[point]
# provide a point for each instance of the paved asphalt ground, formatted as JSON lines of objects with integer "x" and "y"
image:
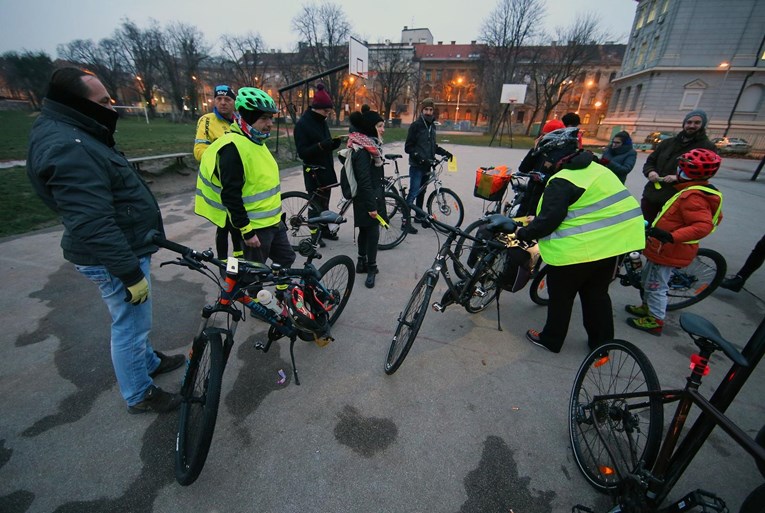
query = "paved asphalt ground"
{"x": 474, "y": 421}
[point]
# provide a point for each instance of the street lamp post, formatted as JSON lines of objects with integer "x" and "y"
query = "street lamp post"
{"x": 458, "y": 83}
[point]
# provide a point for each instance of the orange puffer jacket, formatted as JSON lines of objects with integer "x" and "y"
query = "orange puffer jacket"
{"x": 688, "y": 218}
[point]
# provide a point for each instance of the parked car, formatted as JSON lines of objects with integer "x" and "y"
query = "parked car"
{"x": 732, "y": 145}
{"x": 654, "y": 138}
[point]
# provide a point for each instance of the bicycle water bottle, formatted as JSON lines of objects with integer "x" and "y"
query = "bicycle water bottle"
{"x": 635, "y": 261}
{"x": 266, "y": 299}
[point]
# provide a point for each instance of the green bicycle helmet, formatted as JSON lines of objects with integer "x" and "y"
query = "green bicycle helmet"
{"x": 252, "y": 98}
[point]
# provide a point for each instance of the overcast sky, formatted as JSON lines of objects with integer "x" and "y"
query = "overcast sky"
{"x": 43, "y": 24}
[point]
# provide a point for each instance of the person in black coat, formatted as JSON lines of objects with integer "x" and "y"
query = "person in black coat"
{"x": 369, "y": 202}
{"x": 315, "y": 145}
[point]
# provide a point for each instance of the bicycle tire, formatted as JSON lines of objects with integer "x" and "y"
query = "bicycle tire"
{"x": 398, "y": 217}
{"x": 755, "y": 501}
{"x": 296, "y": 206}
{"x": 450, "y": 208}
{"x": 614, "y": 368}
{"x": 199, "y": 409}
{"x": 338, "y": 276}
{"x": 463, "y": 247}
{"x": 409, "y": 322}
{"x": 538, "y": 289}
{"x": 697, "y": 280}
{"x": 485, "y": 282}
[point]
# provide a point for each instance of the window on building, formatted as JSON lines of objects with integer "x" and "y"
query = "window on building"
{"x": 601, "y": 118}
{"x": 439, "y": 74}
{"x": 615, "y": 104}
{"x": 641, "y": 54}
{"x": 665, "y": 7}
{"x": 636, "y": 97}
{"x": 751, "y": 98}
{"x": 640, "y": 18}
{"x": 651, "y": 12}
{"x": 691, "y": 99}
{"x": 428, "y": 76}
{"x": 586, "y": 120}
{"x": 596, "y": 80}
{"x": 626, "y": 98}
{"x": 612, "y": 76}
{"x": 654, "y": 49}
{"x": 519, "y": 116}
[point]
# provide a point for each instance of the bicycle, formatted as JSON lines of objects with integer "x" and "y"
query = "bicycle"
{"x": 616, "y": 418}
{"x": 475, "y": 292}
{"x": 687, "y": 286}
{"x": 298, "y": 206}
{"x": 442, "y": 203}
{"x": 310, "y": 300}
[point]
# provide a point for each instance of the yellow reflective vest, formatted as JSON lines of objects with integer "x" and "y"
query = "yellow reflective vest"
{"x": 605, "y": 221}
{"x": 261, "y": 193}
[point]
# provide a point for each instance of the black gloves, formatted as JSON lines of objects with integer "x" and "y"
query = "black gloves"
{"x": 448, "y": 155}
{"x": 330, "y": 144}
{"x": 662, "y": 236}
{"x": 336, "y": 141}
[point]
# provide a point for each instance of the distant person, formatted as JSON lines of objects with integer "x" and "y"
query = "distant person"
{"x": 620, "y": 156}
{"x": 239, "y": 181}
{"x": 692, "y": 213}
{"x": 422, "y": 148}
{"x": 210, "y": 127}
{"x": 541, "y": 160}
{"x": 572, "y": 120}
{"x": 369, "y": 202}
{"x": 754, "y": 262}
{"x": 315, "y": 145}
{"x": 661, "y": 166}
{"x": 107, "y": 211}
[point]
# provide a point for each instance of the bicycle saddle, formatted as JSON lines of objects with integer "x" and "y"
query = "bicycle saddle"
{"x": 392, "y": 156}
{"x": 326, "y": 217}
{"x": 705, "y": 330}
{"x": 500, "y": 223}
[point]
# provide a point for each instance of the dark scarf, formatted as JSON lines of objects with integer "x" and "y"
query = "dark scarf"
{"x": 101, "y": 115}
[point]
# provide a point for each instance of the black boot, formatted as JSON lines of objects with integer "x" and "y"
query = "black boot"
{"x": 361, "y": 265}
{"x": 371, "y": 272}
{"x": 734, "y": 283}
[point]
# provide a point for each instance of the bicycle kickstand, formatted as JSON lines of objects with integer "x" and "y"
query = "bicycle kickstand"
{"x": 292, "y": 357}
{"x": 499, "y": 293}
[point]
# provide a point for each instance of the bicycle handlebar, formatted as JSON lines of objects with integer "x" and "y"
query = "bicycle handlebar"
{"x": 455, "y": 230}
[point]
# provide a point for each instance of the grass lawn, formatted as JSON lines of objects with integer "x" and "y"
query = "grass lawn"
{"x": 21, "y": 210}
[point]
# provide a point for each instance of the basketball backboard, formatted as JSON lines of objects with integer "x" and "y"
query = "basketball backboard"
{"x": 358, "y": 58}
{"x": 513, "y": 93}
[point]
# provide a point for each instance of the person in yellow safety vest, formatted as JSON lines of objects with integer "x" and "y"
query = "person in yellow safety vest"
{"x": 586, "y": 220}
{"x": 239, "y": 182}
{"x": 673, "y": 239}
{"x": 210, "y": 127}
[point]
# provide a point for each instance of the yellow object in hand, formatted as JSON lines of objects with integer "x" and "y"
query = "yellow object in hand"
{"x": 382, "y": 222}
{"x": 137, "y": 293}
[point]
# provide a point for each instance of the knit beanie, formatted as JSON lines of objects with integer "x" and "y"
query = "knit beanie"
{"x": 553, "y": 124}
{"x": 224, "y": 90}
{"x": 365, "y": 123}
{"x": 321, "y": 98}
{"x": 699, "y": 113}
{"x": 427, "y": 102}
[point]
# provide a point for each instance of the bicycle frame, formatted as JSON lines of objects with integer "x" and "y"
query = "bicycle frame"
{"x": 396, "y": 182}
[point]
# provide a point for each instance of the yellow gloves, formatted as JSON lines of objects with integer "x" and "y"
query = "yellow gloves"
{"x": 138, "y": 293}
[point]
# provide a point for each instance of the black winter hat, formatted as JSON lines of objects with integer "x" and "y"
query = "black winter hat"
{"x": 365, "y": 123}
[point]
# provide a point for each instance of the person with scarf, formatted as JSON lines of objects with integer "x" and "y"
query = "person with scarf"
{"x": 620, "y": 156}
{"x": 421, "y": 147}
{"x": 369, "y": 203}
{"x": 239, "y": 181}
{"x": 661, "y": 166}
{"x": 108, "y": 212}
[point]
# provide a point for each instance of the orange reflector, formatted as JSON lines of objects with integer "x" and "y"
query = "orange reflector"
{"x": 701, "y": 288}
{"x": 600, "y": 362}
{"x": 606, "y": 471}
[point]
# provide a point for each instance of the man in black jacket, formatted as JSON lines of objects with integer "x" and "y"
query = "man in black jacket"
{"x": 107, "y": 211}
{"x": 315, "y": 145}
{"x": 421, "y": 147}
{"x": 661, "y": 166}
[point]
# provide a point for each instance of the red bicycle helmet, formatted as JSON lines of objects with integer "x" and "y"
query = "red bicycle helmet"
{"x": 699, "y": 164}
{"x": 307, "y": 315}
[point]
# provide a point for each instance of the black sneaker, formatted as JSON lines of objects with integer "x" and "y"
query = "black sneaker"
{"x": 329, "y": 236}
{"x": 535, "y": 338}
{"x": 156, "y": 400}
{"x": 167, "y": 363}
{"x": 409, "y": 228}
{"x": 425, "y": 223}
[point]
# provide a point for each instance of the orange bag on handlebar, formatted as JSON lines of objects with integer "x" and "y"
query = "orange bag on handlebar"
{"x": 491, "y": 182}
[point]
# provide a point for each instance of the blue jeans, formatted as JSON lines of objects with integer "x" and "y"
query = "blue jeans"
{"x": 133, "y": 357}
{"x": 655, "y": 280}
{"x": 417, "y": 177}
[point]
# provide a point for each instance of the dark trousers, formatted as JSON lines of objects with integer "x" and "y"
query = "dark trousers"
{"x": 274, "y": 244}
{"x": 221, "y": 240}
{"x": 590, "y": 280}
{"x": 367, "y": 240}
{"x": 755, "y": 260}
{"x": 321, "y": 197}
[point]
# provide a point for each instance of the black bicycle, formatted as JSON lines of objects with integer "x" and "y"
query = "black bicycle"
{"x": 616, "y": 417}
{"x": 298, "y": 206}
{"x": 309, "y": 301}
{"x": 481, "y": 285}
{"x": 687, "y": 285}
{"x": 443, "y": 203}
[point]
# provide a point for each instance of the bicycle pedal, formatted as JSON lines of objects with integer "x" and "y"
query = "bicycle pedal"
{"x": 438, "y": 307}
{"x": 479, "y": 292}
{"x": 259, "y": 346}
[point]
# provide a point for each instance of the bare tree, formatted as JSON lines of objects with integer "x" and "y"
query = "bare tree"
{"x": 140, "y": 49}
{"x": 183, "y": 50}
{"x": 393, "y": 70}
{"x": 27, "y": 73}
{"x": 104, "y": 59}
{"x": 511, "y": 25}
{"x": 241, "y": 58}
{"x": 325, "y": 30}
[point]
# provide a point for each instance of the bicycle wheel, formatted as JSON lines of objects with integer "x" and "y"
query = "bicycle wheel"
{"x": 485, "y": 282}
{"x": 409, "y": 322}
{"x": 446, "y": 206}
{"x": 691, "y": 284}
{"x": 630, "y": 427}
{"x": 338, "y": 276}
{"x": 463, "y": 249}
{"x": 199, "y": 409}
{"x": 755, "y": 501}
{"x": 538, "y": 288}
{"x": 296, "y": 206}
{"x": 398, "y": 217}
